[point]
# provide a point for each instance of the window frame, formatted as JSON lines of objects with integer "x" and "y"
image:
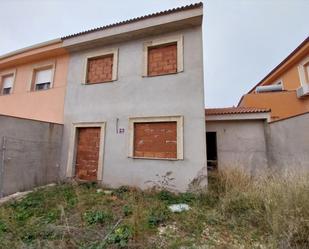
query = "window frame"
{"x": 179, "y": 127}
{"x": 102, "y": 53}
{"x": 5, "y": 74}
{"x": 38, "y": 67}
{"x": 303, "y": 72}
{"x": 178, "y": 39}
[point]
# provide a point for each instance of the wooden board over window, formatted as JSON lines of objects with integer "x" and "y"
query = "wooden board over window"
{"x": 155, "y": 140}
{"x": 100, "y": 69}
{"x": 162, "y": 59}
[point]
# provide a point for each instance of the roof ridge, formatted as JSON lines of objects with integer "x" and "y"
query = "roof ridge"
{"x": 135, "y": 19}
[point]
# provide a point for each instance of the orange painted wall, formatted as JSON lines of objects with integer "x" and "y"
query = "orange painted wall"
{"x": 290, "y": 79}
{"x": 45, "y": 105}
{"x": 283, "y": 104}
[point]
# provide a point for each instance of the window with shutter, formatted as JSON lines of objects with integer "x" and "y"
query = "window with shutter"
{"x": 42, "y": 79}
{"x": 7, "y": 84}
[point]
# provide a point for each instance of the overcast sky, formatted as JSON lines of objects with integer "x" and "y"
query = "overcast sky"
{"x": 243, "y": 39}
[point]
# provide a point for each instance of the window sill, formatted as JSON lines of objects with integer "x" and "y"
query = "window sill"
{"x": 158, "y": 75}
{"x": 89, "y": 84}
{"x": 41, "y": 90}
{"x": 156, "y": 158}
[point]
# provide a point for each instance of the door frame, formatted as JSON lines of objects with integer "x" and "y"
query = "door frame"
{"x": 73, "y": 144}
{"x": 216, "y": 148}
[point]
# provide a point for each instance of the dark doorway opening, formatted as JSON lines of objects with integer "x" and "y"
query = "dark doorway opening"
{"x": 212, "y": 155}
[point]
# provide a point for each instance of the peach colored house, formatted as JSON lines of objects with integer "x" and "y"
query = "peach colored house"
{"x": 33, "y": 82}
{"x": 285, "y": 90}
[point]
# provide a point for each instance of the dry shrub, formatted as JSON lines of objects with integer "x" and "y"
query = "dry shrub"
{"x": 278, "y": 204}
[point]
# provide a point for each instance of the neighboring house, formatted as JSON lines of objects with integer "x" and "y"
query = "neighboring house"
{"x": 32, "y": 92}
{"x": 134, "y": 108}
{"x": 33, "y": 82}
{"x": 269, "y": 128}
{"x": 285, "y": 90}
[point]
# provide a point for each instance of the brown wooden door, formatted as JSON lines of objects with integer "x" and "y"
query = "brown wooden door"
{"x": 87, "y": 153}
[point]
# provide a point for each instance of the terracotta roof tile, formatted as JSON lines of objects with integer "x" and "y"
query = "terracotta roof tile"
{"x": 161, "y": 13}
{"x": 234, "y": 110}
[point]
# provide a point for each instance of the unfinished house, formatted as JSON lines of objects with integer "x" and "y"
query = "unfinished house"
{"x": 134, "y": 108}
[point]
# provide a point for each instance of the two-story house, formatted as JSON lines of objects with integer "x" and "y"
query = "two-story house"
{"x": 33, "y": 82}
{"x": 134, "y": 107}
{"x": 285, "y": 90}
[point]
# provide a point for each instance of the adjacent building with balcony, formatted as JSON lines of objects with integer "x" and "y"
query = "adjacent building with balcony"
{"x": 285, "y": 90}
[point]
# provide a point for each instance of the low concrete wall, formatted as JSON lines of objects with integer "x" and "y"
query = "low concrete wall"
{"x": 30, "y": 153}
{"x": 256, "y": 145}
{"x": 289, "y": 143}
{"x": 240, "y": 144}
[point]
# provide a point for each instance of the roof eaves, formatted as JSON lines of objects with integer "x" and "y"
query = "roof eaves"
{"x": 165, "y": 12}
{"x": 281, "y": 63}
{"x": 29, "y": 48}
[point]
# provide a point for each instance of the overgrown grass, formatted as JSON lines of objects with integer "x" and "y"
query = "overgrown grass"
{"x": 236, "y": 211}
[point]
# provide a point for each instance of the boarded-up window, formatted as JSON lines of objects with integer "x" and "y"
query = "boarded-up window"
{"x": 155, "y": 140}
{"x": 100, "y": 69}
{"x": 162, "y": 59}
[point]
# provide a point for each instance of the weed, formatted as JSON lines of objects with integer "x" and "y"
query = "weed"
{"x": 89, "y": 185}
{"x": 127, "y": 210}
{"x": 172, "y": 198}
{"x": 157, "y": 216}
{"x": 97, "y": 217}
{"x": 51, "y": 216}
{"x": 122, "y": 189}
{"x": 121, "y": 236}
{"x": 70, "y": 196}
{"x": 236, "y": 211}
{"x": 3, "y": 227}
